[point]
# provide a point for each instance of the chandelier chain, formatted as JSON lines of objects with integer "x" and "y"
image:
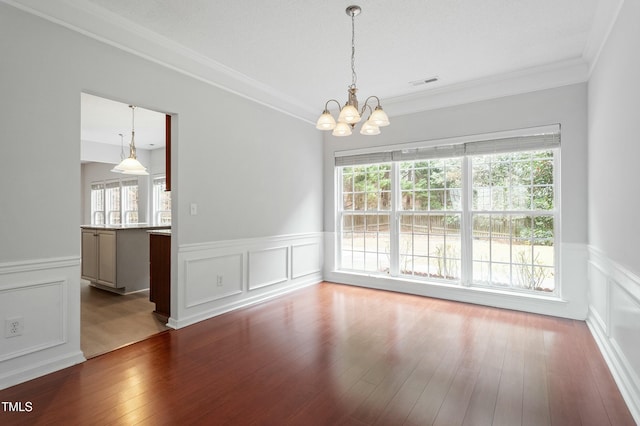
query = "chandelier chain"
{"x": 354, "y": 76}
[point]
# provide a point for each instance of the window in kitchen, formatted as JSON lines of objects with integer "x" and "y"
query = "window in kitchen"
{"x": 114, "y": 202}
{"x": 97, "y": 204}
{"x": 480, "y": 213}
{"x": 161, "y": 202}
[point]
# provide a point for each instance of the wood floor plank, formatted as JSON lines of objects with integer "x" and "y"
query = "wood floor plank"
{"x": 333, "y": 354}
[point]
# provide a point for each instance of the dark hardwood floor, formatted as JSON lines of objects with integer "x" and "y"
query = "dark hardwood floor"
{"x": 340, "y": 355}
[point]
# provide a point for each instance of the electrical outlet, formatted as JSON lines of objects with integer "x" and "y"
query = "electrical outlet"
{"x": 219, "y": 280}
{"x": 13, "y": 327}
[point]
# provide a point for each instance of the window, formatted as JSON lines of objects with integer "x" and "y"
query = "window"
{"x": 114, "y": 202}
{"x": 161, "y": 202}
{"x": 129, "y": 201}
{"x": 513, "y": 218}
{"x": 481, "y": 213}
{"x": 366, "y": 207}
{"x": 97, "y": 204}
{"x": 430, "y": 215}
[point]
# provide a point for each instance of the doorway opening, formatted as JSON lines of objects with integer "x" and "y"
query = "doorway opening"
{"x": 119, "y": 214}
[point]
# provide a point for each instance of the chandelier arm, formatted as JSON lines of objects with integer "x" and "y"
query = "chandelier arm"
{"x": 366, "y": 106}
{"x": 372, "y": 96}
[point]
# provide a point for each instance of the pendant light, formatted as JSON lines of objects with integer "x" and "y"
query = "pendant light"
{"x": 349, "y": 115}
{"x": 131, "y": 165}
{"x": 121, "y": 153}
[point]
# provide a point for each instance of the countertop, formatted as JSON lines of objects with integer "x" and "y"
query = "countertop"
{"x": 142, "y": 226}
{"x": 166, "y": 232}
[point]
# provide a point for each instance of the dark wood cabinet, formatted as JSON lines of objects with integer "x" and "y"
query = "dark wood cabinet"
{"x": 160, "y": 271}
{"x": 167, "y": 155}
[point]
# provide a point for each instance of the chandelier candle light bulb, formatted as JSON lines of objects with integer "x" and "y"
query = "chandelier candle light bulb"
{"x": 349, "y": 115}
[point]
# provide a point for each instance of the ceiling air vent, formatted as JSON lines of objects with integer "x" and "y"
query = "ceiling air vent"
{"x": 423, "y": 81}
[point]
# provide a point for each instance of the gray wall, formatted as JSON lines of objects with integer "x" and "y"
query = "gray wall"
{"x": 254, "y": 172}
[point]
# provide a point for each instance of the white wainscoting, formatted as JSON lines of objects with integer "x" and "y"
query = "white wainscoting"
{"x": 45, "y": 295}
{"x": 217, "y": 277}
{"x": 570, "y": 303}
{"x": 614, "y": 321}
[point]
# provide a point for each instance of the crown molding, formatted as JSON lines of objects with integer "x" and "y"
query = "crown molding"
{"x": 513, "y": 83}
{"x": 604, "y": 19}
{"x": 107, "y": 27}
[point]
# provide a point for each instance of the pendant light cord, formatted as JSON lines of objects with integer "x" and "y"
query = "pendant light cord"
{"x": 132, "y": 146}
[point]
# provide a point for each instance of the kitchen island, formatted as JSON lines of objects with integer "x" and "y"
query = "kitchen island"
{"x": 116, "y": 258}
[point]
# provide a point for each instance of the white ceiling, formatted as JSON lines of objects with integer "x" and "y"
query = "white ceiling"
{"x": 103, "y": 120}
{"x": 294, "y": 55}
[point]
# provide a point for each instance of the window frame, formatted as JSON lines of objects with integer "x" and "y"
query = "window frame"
{"x": 112, "y": 184}
{"x": 155, "y": 201}
{"x": 467, "y": 213}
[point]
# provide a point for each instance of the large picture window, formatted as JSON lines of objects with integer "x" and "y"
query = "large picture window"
{"x": 473, "y": 214}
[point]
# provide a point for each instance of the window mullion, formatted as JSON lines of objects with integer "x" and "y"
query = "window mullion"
{"x": 466, "y": 226}
{"x": 339, "y": 218}
{"x": 394, "y": 225}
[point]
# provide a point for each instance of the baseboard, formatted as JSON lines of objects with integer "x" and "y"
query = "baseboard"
{"x": 34, "y": 371}
{"x": 614, "y": 322}
{"x": 220, "y": 276}
{"x": 619, "y": 370}
{"x": 219, "y": 310}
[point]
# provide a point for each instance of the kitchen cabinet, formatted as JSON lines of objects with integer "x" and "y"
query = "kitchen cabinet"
{"x": 99, "y": 256}
{"x": 160, "y": 271}
{"x": 116, "y": 258}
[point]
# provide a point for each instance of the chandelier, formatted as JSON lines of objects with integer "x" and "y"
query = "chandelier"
{"x": 349, "y": 115}
{"x": 131, "y": 165}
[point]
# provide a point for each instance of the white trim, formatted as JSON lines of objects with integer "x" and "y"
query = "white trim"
{"x": 62, "y": 285}
{"x": 38, "y": 264}
{"x": 268, "y": 282}
{"x": 41, "y": 368}
{"x": 253, "y": 253}
{"x": 219, "y": 310}
{"x": 107, "y": 27}
{"x": 543, "y": 77}
{"x": 540, "y": 304}
{"x": 529, "y": 131}
{"x": 308, "y": 272}
{"x": 615, "y": 275}
{"x": 601, "y": 27}
{"x": 244, "y": 242}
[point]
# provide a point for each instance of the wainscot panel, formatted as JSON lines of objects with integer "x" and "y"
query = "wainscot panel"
{"x": 614, "y": 321}
{"x": 306, "y": 259}
{"x": 268, "y": 267}
{"x": 212, "y": 278}
{"x": 220, "y": 276}
{"x": 43, "y": 296}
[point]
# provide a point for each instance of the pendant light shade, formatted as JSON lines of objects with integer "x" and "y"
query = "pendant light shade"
{"x": 349, "y": 114}
{"x": 131, "y": 165}
{"x": 369, "y": 128}
{"x": 342, "y": 129}
{"x": 379, "y": 117}
{"x": 326, "y": 121}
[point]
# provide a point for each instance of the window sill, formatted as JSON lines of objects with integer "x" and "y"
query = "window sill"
{"x": 541, "y": 304}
